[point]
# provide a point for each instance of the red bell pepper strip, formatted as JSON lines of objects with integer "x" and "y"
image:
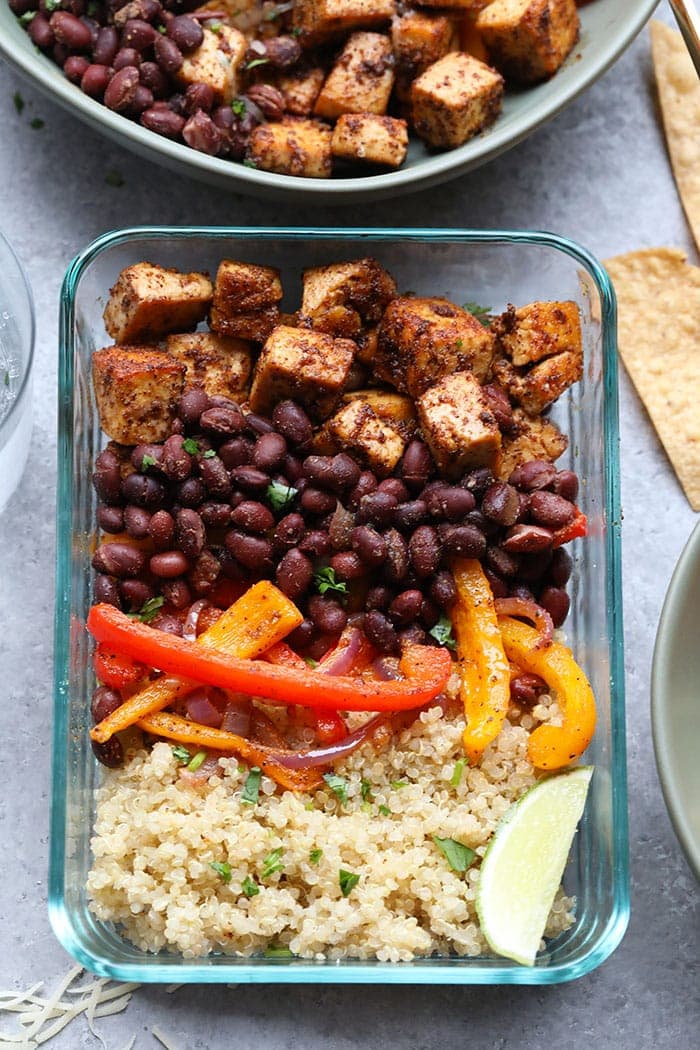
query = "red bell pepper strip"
{"x": 426, "y": 669}
{"x": 115, "y": 669}
{"x": 330, "y": 727}
{"x": 578, "y": 526}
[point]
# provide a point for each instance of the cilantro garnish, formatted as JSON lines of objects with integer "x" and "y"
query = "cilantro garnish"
{"x": 279, "y": 495}
{"x": 347, "y": 880}
{"x": 398, "y": 784}
{"x": 250, "y": 887}
{"x": 459, "y": 344}
{"x": 442, "y": 633}
{"x": 209, "y": 454}
{"x": 313, "y": 664}
{"x": 51, "y": 5}
{"x": 338, "y": 785}
{"x": 366, "y": 789}
{"x": 385, "y": 811}
{"x": 194, "y": 763}
{"x": 315, "y": 855}
{"x": 190, "y": 446}
{"x": 222, "y": 869}
{"x": 482, "y": 313}
{"x": 325, "y": 581}
{"x": 456, "y": 777}
{"x": 251, "y": 788}
{"x": 273, "y": 952}
{"x": 239, "y": 107}
{"x": 249, "y": 163}
{"x": 181, "y": 753}
{"x": 458, "y": 856}
{"x": 215, "y": 27}
{"x": 256, "y": 62}
{"x": 25, "y": 20}
{"x": 148, "y": 461}
{"x": 272, "y": 863}
{"x": 149, "y": 610}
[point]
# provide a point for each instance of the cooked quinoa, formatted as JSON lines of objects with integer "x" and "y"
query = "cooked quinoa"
{"x": 157, "y": 836}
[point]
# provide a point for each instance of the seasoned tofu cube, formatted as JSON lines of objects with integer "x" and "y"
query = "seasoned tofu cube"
{"x": 371, "y": 139}
{"x": 421, "y": 340}
{"x": 219, "y": 364}
{"x": 292, "y": 146}
{"x": 470, "y": 39}
{"x": 215, "y": 62}
{"x": 458, "y": 425}
{"x": 245, "y": 300}
{"x": 357, "y": 428}
{"x": 148, "y": 301}
{"x": 529, "y": 439}
{"x": 310, "y": 367}
{"x": 361, "y": 80}
{"x": 136, "y": 389}
{"x": 418, "y": 39}
{"x": 395, "y": 409}
{"x": 318, "y": 21}
{"x": 528, "y": 40}
{"x": 300, "y": 87}
{"x": 342, "y": 297}
{"x": 539, "y": 330}
{"x": 538, "y": 386}
{"x": 454, "y": 99}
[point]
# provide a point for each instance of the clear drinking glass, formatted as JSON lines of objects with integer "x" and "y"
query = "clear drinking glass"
{"x": 489, "y": 267}
{"x": 16, "y": 357}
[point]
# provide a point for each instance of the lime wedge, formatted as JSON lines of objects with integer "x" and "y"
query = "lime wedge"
{"x": 524, "y": 864}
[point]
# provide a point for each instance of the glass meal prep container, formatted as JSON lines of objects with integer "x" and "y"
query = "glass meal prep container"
{"x": 489, "y": 267}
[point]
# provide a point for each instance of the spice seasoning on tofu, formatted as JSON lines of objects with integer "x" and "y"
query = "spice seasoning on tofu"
{"x": 324, "y": 528}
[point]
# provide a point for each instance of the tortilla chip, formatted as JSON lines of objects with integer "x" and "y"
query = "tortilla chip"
{"x": 658, "y": 296}
{"x": 679, "y": 94}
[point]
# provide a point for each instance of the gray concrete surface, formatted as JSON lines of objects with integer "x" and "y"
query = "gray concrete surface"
{"x": 598, "y": 173}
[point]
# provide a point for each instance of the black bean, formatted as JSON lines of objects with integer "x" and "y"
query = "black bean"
{"x": 365, "y": 484}
{"x": 519, "y": 590}
{"x": 106, "y": 46}
{"x": 478, "y": 481}
{"x": 532, "y": 567}
{"x": 168, "y": 54}
{"x": 215, "y": 477}
{"x": 215, "y": 515}
{"x": 369, "y": 544}
{"x": 153, "y": 77}
{"x": 443, "y": 589}
{"x": 106, "y": 590}
{"x": 138, "y": 34}
{"x": 257, "y": 425}
{"x": 293, "y": 468}
{"x": 121, "y": 90}
{"x": 294, "y": 574}
{"x": 425, "y": 550}
{"x": 254, "y": 552}
{"x": 315, "y": 501}
{"x": 397, "y": 561}
{"x": 327, "y": 614}
{"x": 168, "y": 564}
{"x": 501, "y": 504}
{"x": 318, "y": 469}
{"x": 204, "y": 573}
{"x": 413, "y": 635}
{"x": 377, "y": 508}
{"x": 566, "y": 484}
{"x": 161, "y": 529}
{"x": 526, "y": 688}
{"x": 190, "y": 534}
{"x": 556, "y": 601}
{"x": 176, "y": 593}
{"x": 269, "y": 452}
{"x": 379, "y": 597}
{"x": 483, "y": 524}
{"x": 253, "y": 517}
{"x": 395, "y": 487}
{"x": 429, "y": 613}
{"x": 126, "y": 56}
{"x": 222, "y": 419}
{"x": 560, "y": 567}
{"x": 236, "y": 453}
{"x": 292, "y": 422}
{"x": 501, "y": 561}
{"x": 176, "y": 462}
{"x": 107, "y": 477}
{"x": 163, "y": 121}
{"x": 289, "y": 531}
{"x": 69, "y": 30}
{"x": 198, "y": 96}
{"x": 547, "y": 508}
{"x": 347, "y": 565}
{"x": 110, "y": 753}
{"x": 406, "y": 607}
{"x": 527, "y": 539}
{"x": 316, "y": 542}
{"x": 456, "y": 503}
{"x": 104, "y": 701}
{"x": 499, "y": 587}
{"x": 119, "y": 559}
{"x": 40, "y": 32}
{"x": 250, "y": 480}
{"x": 168, "y": 623}
{"x": 533, "y": 475}
{"x": 191, "y": 405}
{"x": 186, "y": 32}
{"x": 409, "y": 515}
{"x": 153, "y": 454}
{"x": 74, "y": 68}
{"x": 137, "y": 521}
{"x": 110, "y": 518}
{"x": 135, "y": 593}
{"x": 500, "y": 406}
{"x": 416, "y": 464}
{"x": 201, "y": 133}
{"x": 381, "y": 632}
{"x": 344, "y": 472}
{"x": 143, "y": 491}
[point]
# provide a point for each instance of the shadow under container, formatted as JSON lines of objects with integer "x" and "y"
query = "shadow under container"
{"x": 493, "y": 268}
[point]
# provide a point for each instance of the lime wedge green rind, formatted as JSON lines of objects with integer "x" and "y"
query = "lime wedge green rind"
{"x": 523, "y": 866}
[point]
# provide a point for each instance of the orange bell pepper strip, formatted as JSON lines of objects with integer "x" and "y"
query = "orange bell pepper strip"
{"x": 483, "y": 667}
{"x": 174, "y": 727}
{"x": 553, "y": 747}
{"x": 259, "y": 619}
{"x": 425, "y": 669}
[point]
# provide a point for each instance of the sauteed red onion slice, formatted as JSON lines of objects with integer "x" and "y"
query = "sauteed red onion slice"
{"x": 189, "y": 630}
{"x": 201, "y": 706}
{"x": 209, "y": 766}
{"x": 323, "y": 756}
{"x": 342, "y": 659}
{"x": 528, "y": 610}
{"x": 342, "y": 524}
{"x": 386, "y": 668}
{"x": 237, "y": 717}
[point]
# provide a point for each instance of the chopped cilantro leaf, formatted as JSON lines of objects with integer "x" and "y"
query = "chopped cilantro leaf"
{"x": 114, "y": 178}
{"x": 385, "y": 811}
{"x": 482, "y": 313}
{"x": 280, "y": 495}
{"x": 249, "y": 163}
{"x": 442, "y": 633}
{"x": 398, "y": 784}
{"x": 51, "y": 5}
{"x": 194, "y": 763}
{"x": 250, "y": 887}
{"x": 325, "y": 581}
{"x": 311, "y": 662}
{"x": 162, "y": 29}
{"x": 458, "y": 856}
{"x": 366, "y": 789}
{"x": 149, "y": 610}
{"x": 37, "y": 123}
{"x": 215, "y": 27}
{"x": 257, "y": 62}
{"x": 209, "y": 454}
{"x": 272, "y": 863}
{"x": 338, "y": 785}
{"x": 296, "y": 31}
{"x": 347, "y": 880}
{"x": 190, "y": 446}
{"x": 272, "y": 952}
{"x": 459, "y": 344}
{"x": 456, "y": 777}
{"x": 181, "y": 753}
{"x": 17, "y": 98}
{"x": 147, "y": 461}
{"x": 25, "y": 20}
{"x": 251, "y": 788}
{"x": 315, "y": 855}
{"x": 222, "y": 869}
{"x": 239, "y": 107}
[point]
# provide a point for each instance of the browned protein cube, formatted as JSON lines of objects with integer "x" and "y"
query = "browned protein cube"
{"x": 421, "y": 340}
{"x": 136, "y": 389}
{"x": 529, "y": 333}
{"x": 458, "y": 425}
{"x": 528, "y": 40}
{"x": 342, "y": 297}
{"x": 149, "y": 301}
{"x": 300, "y": 87}
{"x": 454, "y": 99}
{"x": 377, "y": 443}
{"x": 319, "y": 21}
{"x": 530, "y": 438}
{"x": 219, "y": 364}
{"x": 370, "y": 139}
{"x": 396, "y": 409}
{"x": 537, "y": 387}
{"x": 418, "y": 39}
{"x": 216, "y": 62}
{"x": 361, "y": 80}
{"x": 245, "y": 300}
{"x": 292, "y": 146}
{"x": 306, "y": 366}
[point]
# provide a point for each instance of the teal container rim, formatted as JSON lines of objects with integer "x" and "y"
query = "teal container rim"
{"x": 444, "y": 971}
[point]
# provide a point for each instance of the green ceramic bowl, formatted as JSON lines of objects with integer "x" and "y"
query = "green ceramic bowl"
{"x": 675, "y": 700}
{"x": 608, "y": 26}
